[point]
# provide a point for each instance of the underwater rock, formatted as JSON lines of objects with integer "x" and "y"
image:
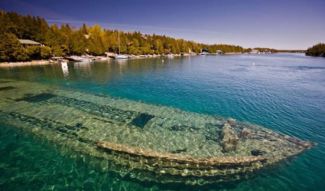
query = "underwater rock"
{"x": 229, "y": 138}
{"x": 6, "y": 88}
{"x": 231, "y": 121}
{"x": 245, "y": 133}
{"x": 78, "y": 125}
{"x": 257, "y": 152}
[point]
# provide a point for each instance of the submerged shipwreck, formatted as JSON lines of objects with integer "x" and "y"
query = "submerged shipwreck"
{"x": 142, "y": 141}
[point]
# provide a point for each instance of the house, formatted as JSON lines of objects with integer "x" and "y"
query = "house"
{"x": 27, "y": 42}
{"x": 255, "y": 51}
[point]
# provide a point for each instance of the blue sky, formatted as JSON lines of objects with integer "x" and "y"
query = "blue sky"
{"x": 282, "y": 24}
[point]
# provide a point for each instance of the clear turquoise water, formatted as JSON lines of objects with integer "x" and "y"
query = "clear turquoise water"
{"x": 285, "y": 92}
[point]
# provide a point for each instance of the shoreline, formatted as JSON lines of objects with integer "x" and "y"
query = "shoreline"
{"x": 130, "y": 57}
{"x": 27, "y": 63}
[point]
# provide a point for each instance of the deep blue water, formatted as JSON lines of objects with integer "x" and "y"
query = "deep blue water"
{"x": 284, "y": 92}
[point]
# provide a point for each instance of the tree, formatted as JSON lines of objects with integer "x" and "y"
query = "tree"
{"x": 65, "y": 40}
{"x": 57, "y": 41}
{"x": 316, "y": 50}
{"x": 96, "y": 40}
{"x": 33, "y": 52}
{"x": 11, "y": 49}
{"x": 78, "y": 43}
{"x": 45, "y": 52}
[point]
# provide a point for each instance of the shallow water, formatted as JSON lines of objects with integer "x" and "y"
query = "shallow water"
{"x": 284, "y": 92}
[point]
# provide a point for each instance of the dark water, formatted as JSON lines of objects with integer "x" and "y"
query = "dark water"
{"x": 285, "y": 92}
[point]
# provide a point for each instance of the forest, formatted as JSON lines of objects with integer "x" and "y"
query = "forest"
{"x": 316, "y": 50}
{"x": 66, "y": 40}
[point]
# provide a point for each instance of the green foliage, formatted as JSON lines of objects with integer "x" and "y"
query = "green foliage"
{"x": 23, "y": 26}
{"x": 11, "y": 49}
{"x": 38, "y": 52}
{"x": 45, "y": 52}
{"x": 316, "y": 50}
{"x": 64, "y": 40}
{"x": 33, "y": 52}
{"x": 96, "y": 40}
{"x": 266, "y": 50}
{"x": 77, "y": 43}
{"x": 57, "y": 40}
{"x": 224, "y": 48}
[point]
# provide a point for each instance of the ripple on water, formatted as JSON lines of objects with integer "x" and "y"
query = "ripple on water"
{"x": 282, "y": 92}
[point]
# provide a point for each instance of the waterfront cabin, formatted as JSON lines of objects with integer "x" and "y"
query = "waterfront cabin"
{"x": 27, "y": 43}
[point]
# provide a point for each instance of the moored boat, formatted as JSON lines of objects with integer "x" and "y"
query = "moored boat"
{"x": 121, "y": 56}
{"x": 79, "y": 58}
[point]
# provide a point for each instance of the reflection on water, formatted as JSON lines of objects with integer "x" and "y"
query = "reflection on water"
{"x": 104, "y": 72}
{"x": 65, "y": 69}
{"x": 99, "y": 72}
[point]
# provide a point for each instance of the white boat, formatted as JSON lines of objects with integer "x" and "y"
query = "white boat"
{"x": 170, "y": 56}
{"x": 121, "y": 56}
{"x": 79, "y": 58}
{"x": 204, "y": 53}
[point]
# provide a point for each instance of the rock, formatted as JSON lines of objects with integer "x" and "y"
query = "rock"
{"x": 231, "y": 121}
{"x": 78, "y": 125}
{"x": 245, "y": 133}
{"x": 257, "y": 152}
{"x": 229, "y": 138}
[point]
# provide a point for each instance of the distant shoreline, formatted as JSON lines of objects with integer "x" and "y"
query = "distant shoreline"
{"x": 130, "y": 57}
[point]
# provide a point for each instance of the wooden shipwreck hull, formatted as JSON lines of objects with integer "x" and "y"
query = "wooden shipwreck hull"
{"x": 142, "y": 141}
{"x": 178, "y": 159}
{"x": 183, "y": 165}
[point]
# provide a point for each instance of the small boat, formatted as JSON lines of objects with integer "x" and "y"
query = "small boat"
{"x": 121, "y": 56}
{"x": 170, "y": 56}
{"x": 79, "y": 58}
{"x": 204, "y": 53}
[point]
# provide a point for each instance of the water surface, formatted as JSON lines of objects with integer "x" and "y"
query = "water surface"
{"x": 284, "y": 92}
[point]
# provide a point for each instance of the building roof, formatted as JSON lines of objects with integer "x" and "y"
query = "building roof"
{"x": 29, "y": 42}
